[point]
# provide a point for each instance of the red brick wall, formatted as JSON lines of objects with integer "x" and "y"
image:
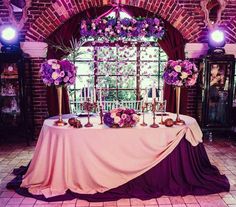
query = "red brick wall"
{"x": 45, "y": 16}
{"x": 38, "y": 96}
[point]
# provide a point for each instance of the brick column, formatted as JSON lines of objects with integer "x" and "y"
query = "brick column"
{"x": 37, "y": 53}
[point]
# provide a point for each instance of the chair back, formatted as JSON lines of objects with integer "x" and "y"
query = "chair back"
{"x": 108, "y": 105}
{"x": 136, "y": 105}
{"x": 76, "y": 107}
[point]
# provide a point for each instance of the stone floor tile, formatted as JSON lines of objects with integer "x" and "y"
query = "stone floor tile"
{"x": 28, "y": 201}
{"x": 229, "y": 200}
{"x": 136, "y": 201}
{"x": 110, "y": 203}
{"x": 96, "y": 204}
{"x": 176, "y": 200}
{"x": 123, "y": 202}
{"x": 15, "y": 201}
{"x": 68, "y": 205}
{"x": 189, "y": 199}
{"x": 192, "y": 205}
{"x": 163, "y": 200}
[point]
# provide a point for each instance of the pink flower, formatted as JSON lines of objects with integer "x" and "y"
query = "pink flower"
{"x": 62, "y": 73}
{"x": 56, "y": 82}
{"x": 66, "y": 79}
{"x": 55, "y": 75}
{"x": 123, "y": 116}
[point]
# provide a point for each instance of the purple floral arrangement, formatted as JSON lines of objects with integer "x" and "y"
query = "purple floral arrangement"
{"x": 180, "y": 73}
{"x": 56, "y": 72}
{"x": 121, "y": 118}
{"x": 114, "y": 28}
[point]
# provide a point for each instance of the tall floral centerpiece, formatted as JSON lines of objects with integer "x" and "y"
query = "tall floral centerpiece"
{"x": 180, "y": 73}
{"x": 58, "y": 73}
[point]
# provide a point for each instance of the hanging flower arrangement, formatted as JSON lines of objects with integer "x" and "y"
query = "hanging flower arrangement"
{"x": 117, "y": 29}
{"x": 180, "y": 73}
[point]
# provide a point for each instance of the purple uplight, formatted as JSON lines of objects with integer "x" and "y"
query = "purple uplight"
{"x": 217, "y": 39}
{"x": 218, "y": 36}
{"x": 8, "y": 34}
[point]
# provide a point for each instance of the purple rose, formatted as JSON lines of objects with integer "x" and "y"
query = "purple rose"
{"x": 108, "y": 120}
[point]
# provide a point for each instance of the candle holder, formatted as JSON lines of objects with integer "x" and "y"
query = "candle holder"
{"x": 101, "y": 114}
{"x": 144, "y": 106}
{"x": 153, "y": 108}
{"x": 89, "y": 106}
{"x": 162, "y": 110}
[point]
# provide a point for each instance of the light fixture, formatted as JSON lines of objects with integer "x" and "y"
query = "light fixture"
{"x": 216, "y": 40}
{"x": 9, "y": 39}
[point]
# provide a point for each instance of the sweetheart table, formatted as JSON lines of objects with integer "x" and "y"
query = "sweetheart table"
{"x": 102, "y": 163}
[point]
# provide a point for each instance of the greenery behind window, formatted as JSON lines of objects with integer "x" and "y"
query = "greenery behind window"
{"x": 121, "y": 72}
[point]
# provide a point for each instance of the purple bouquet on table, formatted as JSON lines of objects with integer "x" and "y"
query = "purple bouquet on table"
{"x": 121, "y": 118}
{"x": 180, "y": 73}
{"x": 58, "y": 73}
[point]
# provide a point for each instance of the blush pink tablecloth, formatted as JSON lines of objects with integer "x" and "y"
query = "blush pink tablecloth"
{"x": 90, "y": 160}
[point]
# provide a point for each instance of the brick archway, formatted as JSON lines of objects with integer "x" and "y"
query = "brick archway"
{"x": 229, "y": 27}
{"x": 61, "y": 10}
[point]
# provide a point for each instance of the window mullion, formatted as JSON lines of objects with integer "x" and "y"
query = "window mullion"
{"x": 138, "y": 88}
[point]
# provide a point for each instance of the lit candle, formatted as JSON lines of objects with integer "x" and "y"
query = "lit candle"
{"x": 91, "y": 95}
{"x": 146, "y": 96}
{"x": 94, "y": 94}
{"x": 88, "y": 89}
{"x": 100, "y": 96}
{"x": 84, "y": 93}
{"x": 81, "y": 94}
{"x": 153, "y": 92}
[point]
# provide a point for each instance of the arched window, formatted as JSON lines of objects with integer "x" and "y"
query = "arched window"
{"x": 122, "y": 71}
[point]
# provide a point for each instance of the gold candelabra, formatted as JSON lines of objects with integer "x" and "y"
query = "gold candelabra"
{"x": 101, "y": 114}
{"x": 153, "y": 108}
{"x": 89, "y": 106}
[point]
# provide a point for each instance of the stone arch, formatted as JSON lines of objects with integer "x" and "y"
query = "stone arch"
{"x": 61, "y": 10}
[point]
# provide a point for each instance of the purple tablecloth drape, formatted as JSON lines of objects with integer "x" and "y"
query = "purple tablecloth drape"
{"x": 186, "y": 171}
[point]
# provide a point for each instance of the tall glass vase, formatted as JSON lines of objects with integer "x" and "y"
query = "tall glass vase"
{"x": 59, "y": 122}
{"x": 178, "y": 121}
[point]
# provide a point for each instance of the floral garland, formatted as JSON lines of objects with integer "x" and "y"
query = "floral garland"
{"x": 58, "y": 73}
{"x": 113, "y": 28}
{"x": 121, "y": 118}
{"x": 180, "y": 73}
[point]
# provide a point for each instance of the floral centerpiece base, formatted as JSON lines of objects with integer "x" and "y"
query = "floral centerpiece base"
{"x": 121, "y": 118}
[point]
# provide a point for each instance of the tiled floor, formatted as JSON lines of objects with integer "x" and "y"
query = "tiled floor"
{"x": 222, "y": 153}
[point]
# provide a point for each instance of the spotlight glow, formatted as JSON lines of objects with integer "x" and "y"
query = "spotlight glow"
{"x": 8, "y": 34}
{"x": 217, "y": 36}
